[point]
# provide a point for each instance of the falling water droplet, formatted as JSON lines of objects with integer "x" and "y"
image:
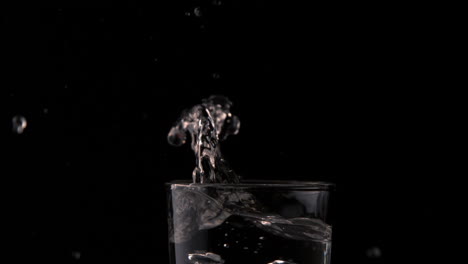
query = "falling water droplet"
{"x": 197, "y": 11}
{"x": 76, "y": 254}
{"x": 374, "y": 252}
{"x": 226, "y": 245}
{"x": 261, "y": 238}
{"x": 19, "y": 123}
{"x": 216, "y": 75}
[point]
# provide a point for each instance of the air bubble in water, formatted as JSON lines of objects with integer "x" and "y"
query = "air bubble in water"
{"x": 197, "y": 12}
{"x": 19, "y": 123}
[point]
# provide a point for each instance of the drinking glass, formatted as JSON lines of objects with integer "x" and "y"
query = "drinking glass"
{"x": 258, "y": 222}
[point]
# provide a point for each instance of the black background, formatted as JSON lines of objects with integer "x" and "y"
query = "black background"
{"x": 323, "y": 93}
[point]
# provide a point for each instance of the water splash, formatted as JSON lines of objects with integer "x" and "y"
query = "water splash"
{"x": 19, "y": 124}
{"x": 205, "y": 258}
{"x": 207, "y": 123}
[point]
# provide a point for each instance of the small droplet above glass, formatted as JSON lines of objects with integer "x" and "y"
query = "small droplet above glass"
{"x": 76, "y": 254}
{"x": 197, "y": 11}
{"x": 374, "y": 252}
{"x": 19, "y": 124}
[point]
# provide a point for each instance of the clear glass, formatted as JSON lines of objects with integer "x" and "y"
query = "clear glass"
{"x": 259, "y": 222}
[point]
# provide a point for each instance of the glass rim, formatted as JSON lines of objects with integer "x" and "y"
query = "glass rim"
{"x": 255, "y": 184}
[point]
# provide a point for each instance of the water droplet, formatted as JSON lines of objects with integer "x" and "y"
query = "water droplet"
{"x": 225, "y": 234}
{"x": 19, "y": 123}
{"x": 217, "y": 2}
{"x": 197, "y": 11}
{"x": 76, "y": 254}
{"x": 281, "y": 262}
{"x": 66, "y": 86}
{"x": 155, "y": 59}
{"x": 188, "y": 14}
{"x": 237, "y": 242}
{"x": 226, "y": 245}
{"x": 216, "y": 76}
{"x": 261, "y": 238}
{"x": 46, "y": 111}
{"x": 246, "y": 248}
{"x": 374, "y": 252}
{"x": 255, "y": 252}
